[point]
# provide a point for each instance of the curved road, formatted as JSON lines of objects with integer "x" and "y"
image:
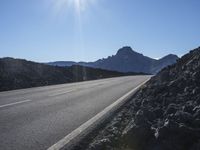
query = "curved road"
{"x": 37, "y": 118}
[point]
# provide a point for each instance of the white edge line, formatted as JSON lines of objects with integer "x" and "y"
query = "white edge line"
{"x": 66, "y": 140}
{"x": 62, "y": 93}
{"x": 1, "y": 106}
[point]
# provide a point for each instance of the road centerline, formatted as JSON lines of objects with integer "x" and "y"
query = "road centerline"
{"x": 15, "y": 103}
{"x": 61, "y": 93}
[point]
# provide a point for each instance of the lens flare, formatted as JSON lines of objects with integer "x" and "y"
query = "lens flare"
{"x": 78, "y": 5}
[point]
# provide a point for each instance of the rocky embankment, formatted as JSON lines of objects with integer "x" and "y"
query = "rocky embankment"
{"x": 163, "y": 115}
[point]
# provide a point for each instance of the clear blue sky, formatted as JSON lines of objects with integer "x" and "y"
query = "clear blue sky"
{"x": 85, "y": 30}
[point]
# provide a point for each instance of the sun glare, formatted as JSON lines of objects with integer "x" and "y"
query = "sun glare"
{"x": 78, "y": 5}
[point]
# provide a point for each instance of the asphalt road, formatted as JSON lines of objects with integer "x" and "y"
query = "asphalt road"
{"x": 37, "y": 118}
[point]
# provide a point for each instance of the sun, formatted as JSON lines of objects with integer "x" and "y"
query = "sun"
{"x": 78, "y": 5}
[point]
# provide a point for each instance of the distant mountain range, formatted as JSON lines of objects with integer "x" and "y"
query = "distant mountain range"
{"x": 126, "y": 60}
{"x": 19, "y": 73}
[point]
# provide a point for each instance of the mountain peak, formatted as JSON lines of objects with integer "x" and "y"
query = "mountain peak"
{"x": 170, "y": 56}
{"x": 126, "y": 50}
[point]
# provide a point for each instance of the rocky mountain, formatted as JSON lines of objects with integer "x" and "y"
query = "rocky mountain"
{"x": 18, "y": 73}
{"x": 163, "y": 115}
{"x": 127, "y": 60}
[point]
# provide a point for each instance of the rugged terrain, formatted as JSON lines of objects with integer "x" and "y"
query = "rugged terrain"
{"x": 18, "y": 73}
{"x": 163, "y": 115}
{"x": 126, "y": 60}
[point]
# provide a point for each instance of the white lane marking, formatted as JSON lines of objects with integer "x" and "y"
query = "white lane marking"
{"x": 1, "y": 106}
{"x": 61, "y": 93}
{"x": 76, "y": 89}
{"x": 75, "y": 133}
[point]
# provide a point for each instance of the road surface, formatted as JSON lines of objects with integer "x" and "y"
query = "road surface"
{"x": 37, "y": 118}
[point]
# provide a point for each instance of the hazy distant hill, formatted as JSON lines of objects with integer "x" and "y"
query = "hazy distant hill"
{"x": 127, "y": 60}
{"x": 18, "y": 73}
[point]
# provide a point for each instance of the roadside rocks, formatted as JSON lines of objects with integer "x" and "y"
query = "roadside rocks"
{"x": 171, "y": 109}
{"x": 175, "y": 136}
{"x": 138, "y": 137}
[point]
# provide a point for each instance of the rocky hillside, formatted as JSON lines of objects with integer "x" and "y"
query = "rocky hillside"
{"x": 127, "y": 60}
{"x": 163, "y": 115}
{"x": 18, "y": 73}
